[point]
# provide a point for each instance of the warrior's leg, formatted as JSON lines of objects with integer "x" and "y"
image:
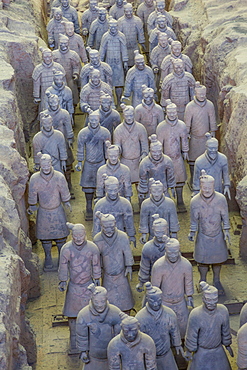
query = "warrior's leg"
{"x": 119, "y": 92}
{"x": 203, "y": 270}
{"x": 191, "y": 165}
{"x": 47, "y": 244}
{"x": 89, "y": 206}
{"x": 60, "y": 243}
{"x": 180, "y": 202}
{"x": 216, "y": 278}
{"x": 72, "y": 330}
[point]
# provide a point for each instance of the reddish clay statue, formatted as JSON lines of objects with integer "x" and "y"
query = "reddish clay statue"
{"x": 242, "y": 345}
{"x": 117, "y": 10}
{"x": 208, "y": 330}
{"x": 160, "y": 27}
{"x": 49, "y": 189}
{"x": 88, "y": 16}
{"x": 160, "y": 323}
{"x": 131, "y": 137}
{"x": 108, "y": 117}
{"x": 131, "y": 349}
{"x": 209, "y": 218}
{"x": 174, "y": 276}
{"x": 117, "y": 262}
{"x": 75, "y": 41}
{"x": 97, "y": 29}
{"x": 148, "y": 112}
{"x": 96, "y": 325}
{"x": 70, "y": 13}
{"x": 55, "y": 27}
{"x": 113, "y": 167}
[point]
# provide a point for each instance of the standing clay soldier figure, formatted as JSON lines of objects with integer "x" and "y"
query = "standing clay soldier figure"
{"x": 117, "y": 10}
{"x": 113, "y": 51}
{"x": 75, "y": 41}
{"x": 140, "y": 74}
{"x": 209, "y": 218}
{"x": 159, "y": 9}
{"x": 148, "y": 112}
{"x": 43, "y": 77}
{"x": 215, "y": 164}
{"x": 70, "y": 13}
{"x": 160, "y": 323}
{"x": 108, "y": 117}
{"x": 161, "y": 27}
{"x": 157, "y": 203}
{"x": 157, "y": 166}
{"x": 55, "y": 27}
{"x": 117, "y": 206}
{"x": 131, "y": 26}
{"x": 88, "y": 16}
{"x": 152, "y": 250}
{"x": 117, "y": 262}
{"x": 96, "y": 325}
{"x": 242, "y": 353}
{"x": 49, "y": 141}
{"x": 80, "y": 264}
{"x": 172, "y": 134}
{"x": 176, "y": 53}
{"x": 179, "y": 87}
{"x": 131, "y": 137}
{"x": 49, "y": 189}
{"x": 199, "y": 117}
{"x": 143, "y": 11}
{"x": 173, "y": 274}
{"x": 208, "y": 330}
{"x": 91, "y": 150}
{"x": 97, "y": 29}
{"x": 113, "y": 167}
{"x": 131, "y": 349}
{"x": 70, "y": 60}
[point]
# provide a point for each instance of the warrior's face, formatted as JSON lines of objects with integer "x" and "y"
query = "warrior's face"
{"x": 156, "y": 153}
{"x": 106, "y": 105}
{"x": 93, "y": 5}
{"x": 171, "y": 113}
{"x": 172, "y": 254}
{"x": 47, "y": 124}
{"x": 148, "y": 98}
{"x": 113, "y": 30}
{"x": 157, "y": 192}
{"x": 130, "y": 331}
{"x": 79, "y": 236}
{"x": 58, "y": 80}
{"x": 102, "y": 15}
{"x": 53, "y": 104}
{"x": 129, "y": 116}
{"x": 212, "y": 151}
{"x": 201, "y": 94}
{"x": 47, "y": 58}
{"x": 94, "y": 59}
{"x": 112, "y": 191}
{"x": 155, "y": 301}
{"x": 108, "y": 228}
{"x": 176, "y": 49}
{"x": 113, "y": 156}
{"x": 65, "y": 3}
{"x": 46, "y": 166}
{"x": 178, "y": 68}
{"x": 140, "y": 65}
{"x": 95, "y": 78}
{"x": 70, "y": 30}
{"x": 207, "y": 188}
{"x": 160, "y": 231}
{"x": 94, "y": 121}
{"x": 163, "y": 41}
{"x": 99, "y": 302}
{"x": 128, "y": 13}
{"x": 119, "y": 3}
{"x": 210, "y": 302}
{"x": 149, "y": 3}
{"x": 160, "y": 7}
{"x": 58, "y": 15}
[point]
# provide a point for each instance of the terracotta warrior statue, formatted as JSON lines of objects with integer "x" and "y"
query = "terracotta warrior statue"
{"x": 96, "y": 325}
{"x": 152, "y": 250}
{"x": 161, "y": 27}
{"x": 140, "y": 74}
{"x": 95, "y": 62}
{"x": 97, "y": 29}
{"x": 88, "y": 16}
{"x": 113, "y": 51}
{"x": 70, "y": 13}
{"x": 131, "y": 349}
{"x": 117, "y": 10}
{"x": 160, "y": 6}
{"x": 113, "y": 167}
{"x": 157, "y": 166}
{"x": 172, "y": 134}
{"x": 148, "y": 112}
{"x": 160, "y": 204}
{"x": 160, "y": 323}
{"x": 199, "y": 117}
{"x": 143, "y": 11}
{"x": 131, "y": 26}
{"x": 209, "y": 218}
{"x": 117, "y": 262}
{"x": 208, "y": 330}
{"x": 179, "y": 87}
{"x": 117, "y": 206}
{"x": 43, "y": 76}
{"x": 75, "y": 41}
{"x": 215, "y": 164}
{"x": 131, "y": 137}
{"x": 173, "y": 274}
{"x": 108, "y": 117}
{"x": 242, "y": 354}
{"x": 48, "y": 188}
{"x": 79, "y": 264}
{"x": 55, "y": 27}
{"x": 176, "y": 53}
{"x": 243, "y": 315}
{"x": 49, "y": 141}
{"x": 70, "y": 60}
{"x": 91, "y": 150}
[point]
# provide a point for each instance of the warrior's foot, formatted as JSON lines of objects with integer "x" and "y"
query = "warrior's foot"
{"x": 48, "y": 265}
{"x": 89, "y": 215}
{"x": 73, "y": 351}
{"x": 220, "y": 288}
{"x": 181, "y": 208}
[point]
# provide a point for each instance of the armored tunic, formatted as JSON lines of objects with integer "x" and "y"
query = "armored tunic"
{"x": 113, "y": 51}
{"x": 116, "y": 11}
{"x": 121, "y": 172}
{"x": 76, "y": 43}
{"x": 88, "y": 16}
{"x": 133, "y": 143}
{"x": 49, "y": 191}
{"x": 173, "y": 137}
{"x": 96, "y": 31}
{"x": 90, "y": 95}
{"x": 209, "y": 216}
{"x": 218, "y": 168}
{"x": 91, "y": 150}
{"x": 54, "y": 28}
{"x": 143, "y": 12}
{"x": 105, "y": 73}
{"x": 165, "y": 208}
{"x": 42, "y": 79}
{"x": 149, "y": 115}
{"x": 162, "y": 170}
{"x": 80, "y": 265}
{"x": 52, "y": 143}
{"x": 158, "y": 54}
{"x": 242, "y": 351}
{"x": 121, "y": 209}
{"x": 152, "y": 20}
{"x": 71, "y": 62}
{"x": 134, "y": 81}
{"x": 116, "y": 255}
{"x": 162, "y": 327}
{"x": 70, "y": 13}
{"x": 199, "y": 118}
{"x": 153, "y": 37}
{"x": 136, "y": 355}
{"x": 94, "y": 331}
{"x": 110, "y": 119}
{"x": 133, "y": 31}
{"x": 175, "y": 280}
{"x": 167, "y": 66}
{"x": 65, "y": 96}
{"x": 207, "y": 331}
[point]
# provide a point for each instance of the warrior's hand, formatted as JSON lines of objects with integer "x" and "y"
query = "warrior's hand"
{"x": 190, "y": 302}
{"x": 143, "y": 238}
{"x": 68, "y": 205}
{"x": 227, "y": 191}
{"x": 139, "y": 287}
{"x": 62, "y": 286}
{"x": 188, "y": 356}
{"x": 179, "y": 349}
{"x": 229, "y": 349}
{"x": 75, "y": 76}
{"x": 155, "y": 70}
{"x": 186, "y": 156}
{"x": 191, "y": 236}
{"x": 63, "y": 165}
{"x": 36, "y": 100}
{"x": 32, "y": 209}
{"x": 173, "y": 192}
{"x": 128, "y": 270}
{"x": 36, "y": 167}
{"x": 125, "y": 66}
{"x": 84, "y": 31}
{"x": 97, "y": 282}
{"x": 78, "y": 166}
{"x": 70, "y": 142}
{"x": 227, "y": 236}
{"x": 133, "y": 240}
{"x": 84, "y": 356}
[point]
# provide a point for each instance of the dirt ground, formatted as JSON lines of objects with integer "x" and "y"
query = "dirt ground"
{"x": 52, "y": 342}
